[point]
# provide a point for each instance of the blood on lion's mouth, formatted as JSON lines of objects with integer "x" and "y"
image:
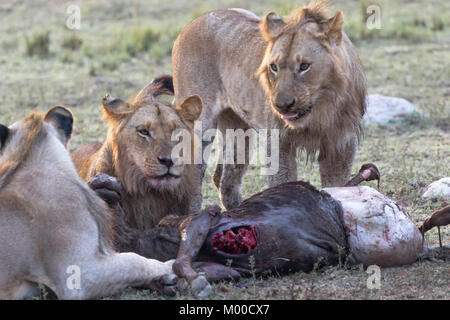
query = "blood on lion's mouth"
{"x": 295, "y": 116}
{"x": 238, "y": 240}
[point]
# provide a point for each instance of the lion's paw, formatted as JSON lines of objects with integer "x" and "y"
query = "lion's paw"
{"x": 166, "y": 284}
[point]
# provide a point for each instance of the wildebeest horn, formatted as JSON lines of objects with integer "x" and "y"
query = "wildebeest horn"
{"x": 367, "y": 172}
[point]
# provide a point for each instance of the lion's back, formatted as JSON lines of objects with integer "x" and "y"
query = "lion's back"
{"x": 216, "y": 56}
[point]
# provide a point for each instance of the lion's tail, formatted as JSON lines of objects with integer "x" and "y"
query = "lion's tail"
{"x": 159, "y": 86}
{"x": 163, "y": 85}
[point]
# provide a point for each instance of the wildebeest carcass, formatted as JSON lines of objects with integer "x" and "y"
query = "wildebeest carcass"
{"x": 290, "y": 227}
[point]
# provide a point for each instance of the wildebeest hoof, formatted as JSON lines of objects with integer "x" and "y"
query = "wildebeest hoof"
{"x": 107, "y": 187}
{"x": 165, "y": 284}
{"x": 200, "y": 287}
{"x": 182, "y": 284}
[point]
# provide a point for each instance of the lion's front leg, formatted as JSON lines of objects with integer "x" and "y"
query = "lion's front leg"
{"x": 287, "y": 165}
{"x": 196, "y": 198}
{"x": 228, "y": 175}
{"x": 103, "y": 275}
{"x": 335, "y": 167}
{"x": 230, "y": 184}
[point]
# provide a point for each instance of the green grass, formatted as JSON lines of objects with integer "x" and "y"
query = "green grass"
{"x": 122, "y": 45}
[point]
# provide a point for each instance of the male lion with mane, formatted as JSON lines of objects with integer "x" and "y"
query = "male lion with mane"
{"x": 138, "y": 151}
{"x": 300, "y": 75}
{"x": 53, "y": 227}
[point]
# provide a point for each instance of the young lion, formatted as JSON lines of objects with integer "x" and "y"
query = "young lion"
{"x": 300, "y": 75}
{"x": 54, "y": 230}
{"x": 138, "y": 150}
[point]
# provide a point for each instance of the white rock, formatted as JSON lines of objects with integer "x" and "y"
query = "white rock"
{"x": 438, "y": 190}
{"x": 382, "y": 109}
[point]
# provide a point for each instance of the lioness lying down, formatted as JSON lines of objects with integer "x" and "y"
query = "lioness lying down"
{"x": 54, "y": 230}
{"x": 290, "y": 227}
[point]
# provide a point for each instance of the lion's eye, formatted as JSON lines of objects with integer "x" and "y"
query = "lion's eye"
{"x": 143, "y": 132}
{"x": 273, "y": 67}
{"x": 304, "y": 67}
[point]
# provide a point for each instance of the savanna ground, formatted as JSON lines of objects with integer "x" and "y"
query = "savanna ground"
{"x": 122, "y": 45}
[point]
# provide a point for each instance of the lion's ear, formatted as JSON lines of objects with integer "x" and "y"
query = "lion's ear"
{"x": 61, "y": 119}
{"x": 335, "y": 26}
{"x": 115, "y": 107}
{"x": 4, "y": 133}
{"x": 191, "y": 108}
{"x": 271, "y": 26}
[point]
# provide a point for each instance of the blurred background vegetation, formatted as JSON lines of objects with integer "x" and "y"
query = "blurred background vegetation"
{"x": 121, "y": 45}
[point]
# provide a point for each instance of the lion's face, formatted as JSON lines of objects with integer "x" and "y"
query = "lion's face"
{"x": 148, "y": 136}
{"x": 297, "y": 77}
{"x": 299, "y": 68}
{"x": 144, "y": 143}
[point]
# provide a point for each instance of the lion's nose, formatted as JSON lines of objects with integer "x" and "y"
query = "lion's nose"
{"x": 165, "y": 161}
{"x": 284, "y": 102}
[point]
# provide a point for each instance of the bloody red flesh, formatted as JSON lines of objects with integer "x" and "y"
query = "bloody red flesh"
{"x": 239, "y": 240}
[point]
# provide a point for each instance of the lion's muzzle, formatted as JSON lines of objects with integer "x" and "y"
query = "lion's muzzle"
{"x": 284, "y": 102}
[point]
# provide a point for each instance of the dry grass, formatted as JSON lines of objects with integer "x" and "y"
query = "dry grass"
{"x": 122, "y": 45}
